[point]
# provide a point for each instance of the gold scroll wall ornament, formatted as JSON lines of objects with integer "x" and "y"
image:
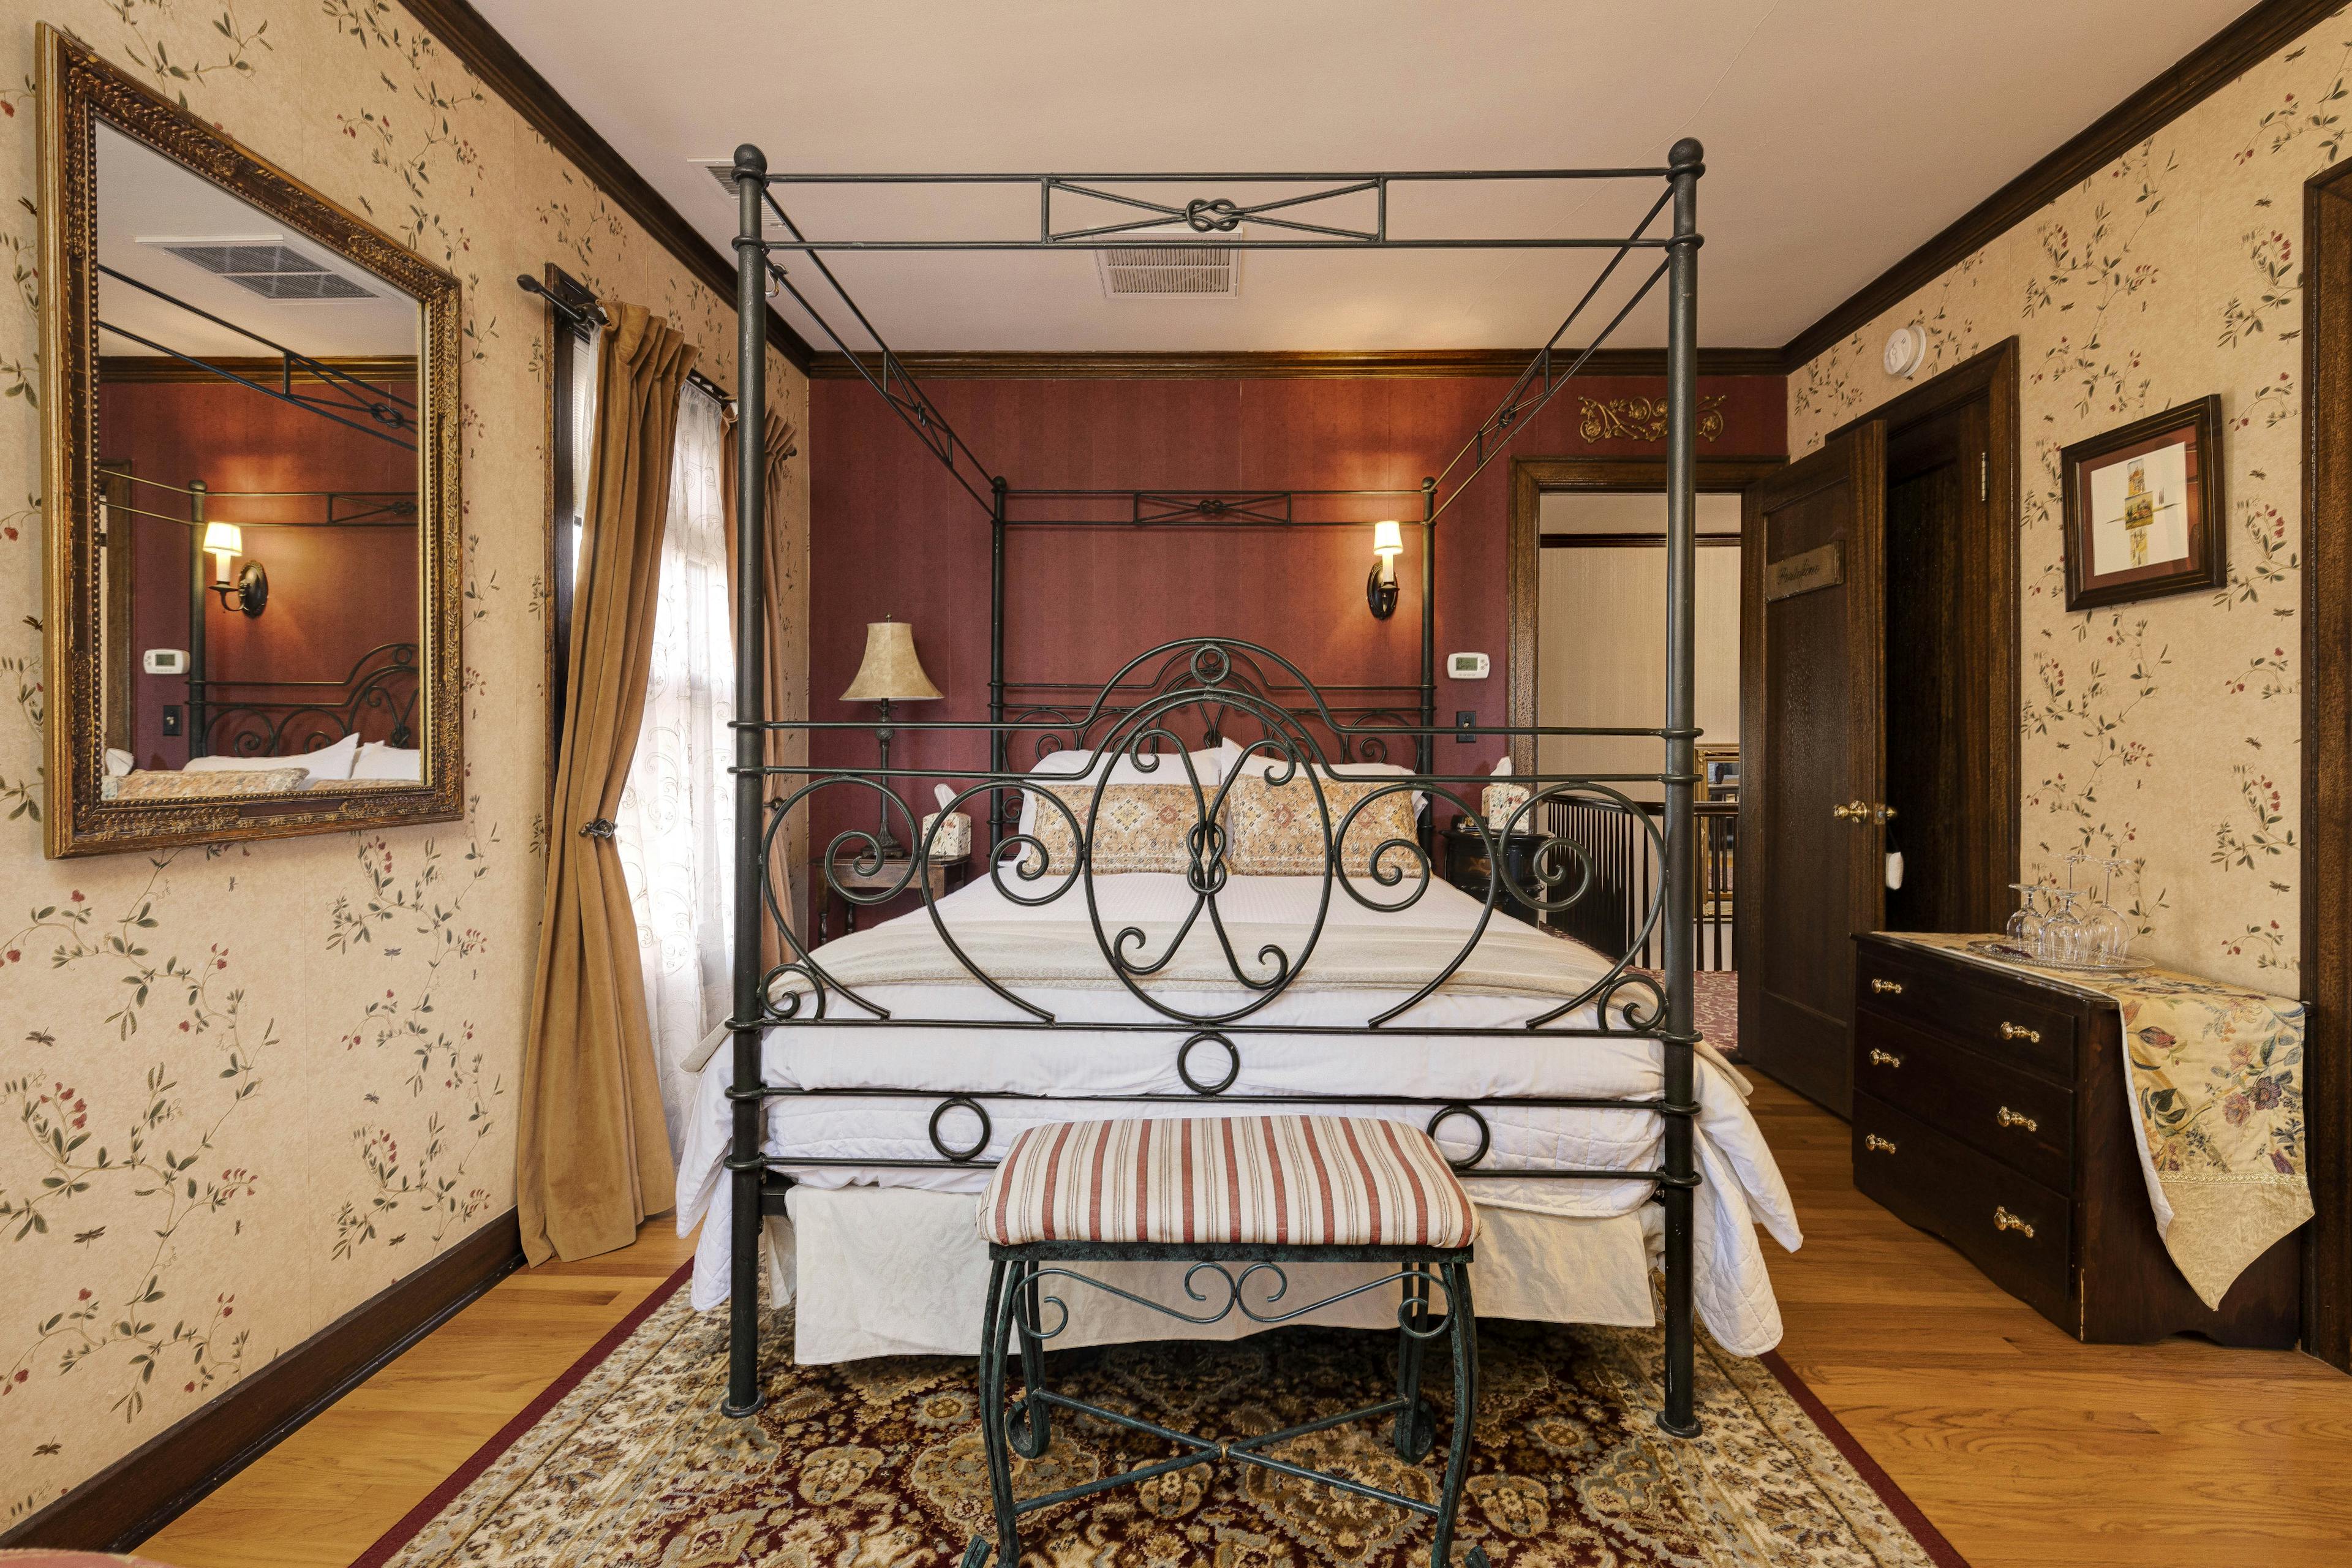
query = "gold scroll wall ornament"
{"x": 1643, "y": 418}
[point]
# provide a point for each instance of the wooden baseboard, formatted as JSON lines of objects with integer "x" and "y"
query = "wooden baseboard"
{"x": 162, "y": 1478}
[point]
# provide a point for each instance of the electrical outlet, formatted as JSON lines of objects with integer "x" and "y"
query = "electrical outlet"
{"x": 1463, "y": 719}
{"x": 171, "y": 719}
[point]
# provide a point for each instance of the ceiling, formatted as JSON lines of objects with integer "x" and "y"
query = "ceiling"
{"x": 144, "y": 195}
{"x": 1840, "y": 135}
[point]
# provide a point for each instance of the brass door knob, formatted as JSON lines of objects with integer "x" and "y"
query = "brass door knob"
{"x": 1877, "y": 1145}
{"x": 2020, "y": 1032}
{"x": 2007, "y": 1117}
{"x": 2004, "y": 1220}
{"x": 1887, "y": 987}
{"x": 1879, "y": 1059}
{"x": 1853, "y": 811}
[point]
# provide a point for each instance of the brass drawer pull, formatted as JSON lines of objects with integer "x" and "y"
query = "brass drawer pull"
{"x": 1879, "y": 1059}
{"x": 2009, "y": 1117}
{"x": 1877, "y": 1145}
{"x": 1887, "y": 987}
{"x": 2004, "y": 1220}
{"x": 2020, "y": 1032}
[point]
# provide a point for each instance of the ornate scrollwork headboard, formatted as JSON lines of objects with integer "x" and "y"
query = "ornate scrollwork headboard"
{"x": 376, "y": 700}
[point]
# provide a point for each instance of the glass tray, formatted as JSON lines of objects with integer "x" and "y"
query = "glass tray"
{"x": 1990, "y": 948}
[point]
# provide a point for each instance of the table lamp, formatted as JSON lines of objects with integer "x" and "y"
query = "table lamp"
{"x": 889, "y": 673}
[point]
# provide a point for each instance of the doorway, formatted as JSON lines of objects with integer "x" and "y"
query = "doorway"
{"x": 1880, "y": 702}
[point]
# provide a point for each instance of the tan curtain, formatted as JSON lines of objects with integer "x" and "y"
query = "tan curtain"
{"x": 593, "y": 1159}
{"x": 777, "y": 571}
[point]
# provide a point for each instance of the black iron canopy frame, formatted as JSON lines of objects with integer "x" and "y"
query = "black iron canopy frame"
{"x": 1209, "y": 688}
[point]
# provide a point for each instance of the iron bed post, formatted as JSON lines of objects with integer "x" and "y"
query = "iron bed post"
{"x": 199, "y": 724}
{"x": 744, "y": 1159}
{"x": 1427, "y": 750}
{"x": 997, "y": 748}
{"x": 1676, "y": 1192}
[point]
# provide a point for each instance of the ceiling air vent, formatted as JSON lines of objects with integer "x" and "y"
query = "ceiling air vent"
{"x": 1175, "y": 269}
{"x": 265, "y": 265}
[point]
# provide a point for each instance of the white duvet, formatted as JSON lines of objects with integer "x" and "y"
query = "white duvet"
{"x": 1514, "y": 973}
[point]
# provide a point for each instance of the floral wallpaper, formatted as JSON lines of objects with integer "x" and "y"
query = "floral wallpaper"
{"x": 243, "y": 1090}
{"x": 2165, "y": 729}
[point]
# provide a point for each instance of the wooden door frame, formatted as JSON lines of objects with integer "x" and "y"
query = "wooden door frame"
{"x": 1991, "y": 373}
{"x": 1530, "y": 478}
{"x": 2326, "y": 947}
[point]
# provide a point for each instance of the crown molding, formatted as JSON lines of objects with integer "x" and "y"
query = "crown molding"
{"x": 486, "y": 52}
{"x": 1294, "y": 364}
{"x": 2212, "y": 65}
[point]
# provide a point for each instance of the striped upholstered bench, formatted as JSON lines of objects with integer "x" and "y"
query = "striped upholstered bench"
{"x": 1237, "y": 1198}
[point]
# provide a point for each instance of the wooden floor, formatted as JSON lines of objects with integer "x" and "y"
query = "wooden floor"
{"x": 2024, "y": 1448}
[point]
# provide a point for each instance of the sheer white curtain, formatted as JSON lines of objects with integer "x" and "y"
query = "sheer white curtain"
{"x": 676, "y": 819}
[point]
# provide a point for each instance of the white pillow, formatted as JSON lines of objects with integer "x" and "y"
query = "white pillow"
{"x": 377, "y": 761}
{"x": 118, "y": 763}
{"x": 1083, "y": 765}
{"x": 1264, "y": 765}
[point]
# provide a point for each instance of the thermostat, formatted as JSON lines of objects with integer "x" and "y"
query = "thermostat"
{"x": 164, "y": 661}
{"x": 1467, "y": 666}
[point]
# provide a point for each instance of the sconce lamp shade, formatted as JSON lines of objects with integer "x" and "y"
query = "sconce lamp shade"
{"x": 890, "y": 671}
{"x": 1388, "y": 540}
{"x": 223, "y": 539}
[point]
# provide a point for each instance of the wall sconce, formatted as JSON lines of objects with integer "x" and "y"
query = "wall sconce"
{"x": 1388, "y": 540}
{"x": 249, "y": 590}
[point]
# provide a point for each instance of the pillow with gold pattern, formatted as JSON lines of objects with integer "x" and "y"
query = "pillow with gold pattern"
{"x": 1141, "y": 827}
{"x": 165, "y": 784}
{"x": 1276, "y": 830}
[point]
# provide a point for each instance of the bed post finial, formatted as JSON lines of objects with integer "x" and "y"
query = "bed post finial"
{"x": 1687, "y": 154}
{"x": 750, "y": 159}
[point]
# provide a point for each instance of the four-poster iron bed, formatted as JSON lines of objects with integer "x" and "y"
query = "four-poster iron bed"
{"x": 1075, "y": 965}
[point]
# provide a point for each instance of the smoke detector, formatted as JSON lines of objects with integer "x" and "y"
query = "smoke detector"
{"x": 263, "y": 264}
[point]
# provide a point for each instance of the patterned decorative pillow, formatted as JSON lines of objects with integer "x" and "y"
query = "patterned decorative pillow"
{"x": 1141, "y": 827}
{"x": 163, "y": 785}
{"x": 1277, "y": 832}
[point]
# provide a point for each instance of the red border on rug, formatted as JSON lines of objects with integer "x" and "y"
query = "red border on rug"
{"x": 1940, "y": 1551}
{"x": 414, "y": 1522}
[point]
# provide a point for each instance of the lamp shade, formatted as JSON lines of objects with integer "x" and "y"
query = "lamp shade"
{"x": 1388, "y": 539}
{"x": 223, "y": 539}
{"x": 890, "y": 671}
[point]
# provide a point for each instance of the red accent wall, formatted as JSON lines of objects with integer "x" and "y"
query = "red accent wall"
{"x": 334, "y": 594}
{"x": 893, "y": 534}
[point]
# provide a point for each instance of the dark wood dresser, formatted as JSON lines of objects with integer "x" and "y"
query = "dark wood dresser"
{"x": 1991, "y": 1108}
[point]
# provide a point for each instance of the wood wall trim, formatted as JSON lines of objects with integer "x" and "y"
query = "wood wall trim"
{"x": 267, "y": 368}
{"x": 486, "y": 52}
{"x": 146, "y": 1489}
{"x": 2328, "y": 764}
{"x": 2212, "y": 65}
{"x": 1207, "y": 365}
{"x": 1530, "y": 477}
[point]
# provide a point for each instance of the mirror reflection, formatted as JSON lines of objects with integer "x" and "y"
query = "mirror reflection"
{"x": 258, "y": 474}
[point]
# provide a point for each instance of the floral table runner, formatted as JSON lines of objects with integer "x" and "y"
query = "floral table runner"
{"x": 2217, "y": 1079}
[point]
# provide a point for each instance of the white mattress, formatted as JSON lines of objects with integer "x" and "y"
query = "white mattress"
{"x": 1741, "y": 1185}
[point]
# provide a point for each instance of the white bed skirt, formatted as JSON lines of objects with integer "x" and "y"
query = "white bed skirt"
{"x": 901, "y": 1271}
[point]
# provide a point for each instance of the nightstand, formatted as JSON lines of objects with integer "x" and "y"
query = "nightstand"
{"x": 946, "y": 876}
{"x": 1468, "y": 868}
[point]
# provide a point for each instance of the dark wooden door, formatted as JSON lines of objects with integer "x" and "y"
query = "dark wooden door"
{"x": 1811, "y": 869}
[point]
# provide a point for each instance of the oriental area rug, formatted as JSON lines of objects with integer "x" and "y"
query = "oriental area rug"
{"x": 877, "y": 1464}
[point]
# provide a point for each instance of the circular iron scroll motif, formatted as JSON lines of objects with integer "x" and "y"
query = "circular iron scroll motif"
{"x": 986, "y": 1130}
{"x": 1486, "y": 1136}
{"x": 1232, "y": 1064}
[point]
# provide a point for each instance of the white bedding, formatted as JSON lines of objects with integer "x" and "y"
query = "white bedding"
{"x": 1741, "y": 1185}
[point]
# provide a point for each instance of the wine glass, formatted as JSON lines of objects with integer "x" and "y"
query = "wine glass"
{"x": 2061, "y": 929}
{"x": 2025, "y": 928}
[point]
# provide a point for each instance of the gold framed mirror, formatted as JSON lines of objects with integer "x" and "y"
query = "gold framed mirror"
{"x": 250, "y": 463}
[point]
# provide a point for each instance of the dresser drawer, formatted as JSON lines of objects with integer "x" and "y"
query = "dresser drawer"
{"x": 2024, "y": 1121}
{"x": 2010, "y": 1227}
{"x": 1985, "y": 1011}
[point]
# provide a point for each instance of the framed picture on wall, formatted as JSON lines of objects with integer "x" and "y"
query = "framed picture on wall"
{"x": 2143, "y": 508}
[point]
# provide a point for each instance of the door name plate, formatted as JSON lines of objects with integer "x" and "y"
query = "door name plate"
{"x": 1821, "y": 567}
